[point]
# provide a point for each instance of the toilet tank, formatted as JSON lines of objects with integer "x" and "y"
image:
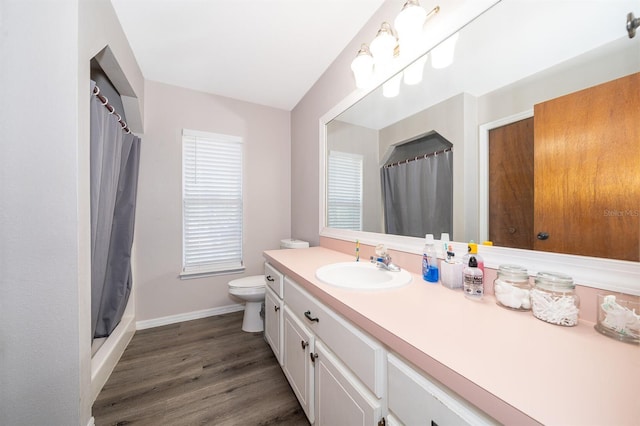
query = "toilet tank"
{"x": 293, "y": 244}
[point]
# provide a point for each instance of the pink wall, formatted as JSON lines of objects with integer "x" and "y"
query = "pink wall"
{"x": 169, "y": 109}
{"x": 334, "y": 85}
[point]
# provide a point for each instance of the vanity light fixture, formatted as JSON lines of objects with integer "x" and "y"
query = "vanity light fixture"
{"x": 384, "y": 45}
{"x": 391, "y": 88}
{"x": 378, "y": 57}
{"x": 413, "y": 73}
{"x": 362, "y": 67}
{"x": 409, "y": 22}
{"x": 383, "y": 49}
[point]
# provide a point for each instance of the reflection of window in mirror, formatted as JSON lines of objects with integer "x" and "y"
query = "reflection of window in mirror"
{"x": 344, "y": 191}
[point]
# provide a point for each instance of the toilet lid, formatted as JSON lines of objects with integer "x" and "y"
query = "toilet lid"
{"x": 248, "y": 282}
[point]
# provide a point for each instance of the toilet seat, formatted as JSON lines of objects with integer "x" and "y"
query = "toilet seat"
{"x": 247, "y": 285}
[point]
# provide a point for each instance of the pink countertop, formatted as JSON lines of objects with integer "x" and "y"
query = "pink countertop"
{"x": 516, "y": 368}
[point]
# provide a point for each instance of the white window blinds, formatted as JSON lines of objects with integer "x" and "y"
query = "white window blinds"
{"x": 344, "y": 191}
{"x": 211, "y": 203}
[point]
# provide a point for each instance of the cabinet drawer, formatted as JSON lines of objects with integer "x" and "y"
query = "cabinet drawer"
{"x": 359, "y": 352}
{"x": 414, "y": 399}
{"x": 274, "y": 279}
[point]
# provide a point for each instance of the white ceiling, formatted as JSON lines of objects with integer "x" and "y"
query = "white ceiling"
{"x": 268, "y": 52}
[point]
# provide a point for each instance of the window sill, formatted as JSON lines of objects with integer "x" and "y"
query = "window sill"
{"x": 204, "y": 274}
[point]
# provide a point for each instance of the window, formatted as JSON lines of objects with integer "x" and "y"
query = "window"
{"x": 344, "y": 191}
{"x": 211, "y": 203}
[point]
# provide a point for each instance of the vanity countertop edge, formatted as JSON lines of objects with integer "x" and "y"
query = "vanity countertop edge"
{"x": 514, "y": 367}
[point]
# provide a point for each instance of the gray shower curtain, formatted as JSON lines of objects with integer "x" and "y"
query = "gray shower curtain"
{"x": 418, "y": 196}
{"x": 115, "y": 158}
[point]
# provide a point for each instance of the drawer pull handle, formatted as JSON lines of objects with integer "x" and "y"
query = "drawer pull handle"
{"x": 310, "y": 318}
{"x": 313, "y": 357}
{"x": 304, "y": 344}
{"x": 276, "y": 308}
{"x": 270, "y": 278}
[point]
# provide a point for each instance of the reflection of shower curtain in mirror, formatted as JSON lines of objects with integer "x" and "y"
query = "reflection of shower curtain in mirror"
{"x": 418, "y": 196}
{"x": 114, "y": 180}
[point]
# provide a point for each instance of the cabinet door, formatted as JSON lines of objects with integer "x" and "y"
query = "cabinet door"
{"x": 273, "y": 323}
{"x": 340, "y": 398}
{"x": 298, "y": 345}
{"x": 362, "y": 354}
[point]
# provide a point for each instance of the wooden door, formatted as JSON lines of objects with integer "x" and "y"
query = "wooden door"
{"x": 511, "y": 185}
{"x": 587, "y": 171}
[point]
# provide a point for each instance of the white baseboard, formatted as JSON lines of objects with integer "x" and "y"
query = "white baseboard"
{"x": 172, "y": 319}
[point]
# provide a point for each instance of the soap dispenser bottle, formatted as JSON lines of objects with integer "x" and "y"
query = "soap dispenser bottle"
{"x": 473, "y": 252}
{"x": 430, "y": 260}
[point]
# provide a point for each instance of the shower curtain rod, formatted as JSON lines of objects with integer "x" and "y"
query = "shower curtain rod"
{"x": 408, "y": 160}
{"x": 112, "y": 110}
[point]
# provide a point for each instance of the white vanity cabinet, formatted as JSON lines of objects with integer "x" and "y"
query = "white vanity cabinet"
{"x": 336, "y": 371}
{"x": 414, "y": 399}
{"x": 299, "y": 345}
{"x": 343, "y": 376}
{"x": 273, "y": 311}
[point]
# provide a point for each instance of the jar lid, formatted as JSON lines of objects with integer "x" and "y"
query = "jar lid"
{"x": 513, "y": 272}
{"x": 554, "y": 281}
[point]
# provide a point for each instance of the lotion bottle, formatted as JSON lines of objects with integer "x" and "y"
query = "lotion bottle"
{"x": 473, "y": 280}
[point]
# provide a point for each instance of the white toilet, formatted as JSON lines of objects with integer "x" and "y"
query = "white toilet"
{"x": 251, "y": 289}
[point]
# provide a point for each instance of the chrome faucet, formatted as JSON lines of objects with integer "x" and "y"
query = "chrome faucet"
{"x": 384, "y": 262}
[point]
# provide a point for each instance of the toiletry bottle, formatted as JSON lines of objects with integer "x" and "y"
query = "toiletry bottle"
{"x": 442, "y": 247}
{"x": 429, "y": 260}
{"x": 473, "y": 280}
{"x": 473, "y": 251}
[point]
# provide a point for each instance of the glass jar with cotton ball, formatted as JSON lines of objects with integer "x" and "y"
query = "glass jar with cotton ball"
{"x": 512, "y": 288}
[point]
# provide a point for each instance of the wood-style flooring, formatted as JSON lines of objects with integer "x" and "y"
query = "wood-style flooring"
{"x": 201, "y": 372}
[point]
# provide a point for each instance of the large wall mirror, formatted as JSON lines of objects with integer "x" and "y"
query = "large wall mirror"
{"x": 510, "y": 63}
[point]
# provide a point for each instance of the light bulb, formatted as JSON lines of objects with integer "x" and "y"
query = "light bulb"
{"x": 391, "y": 88}
{"x": 413, "y": 73}
{"x": 362, "y": 67}
{"x": 410, "y": 20}
{"x": 383, "y": 45}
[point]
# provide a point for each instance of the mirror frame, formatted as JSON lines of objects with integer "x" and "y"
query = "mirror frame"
{"x": 604, "y": 274}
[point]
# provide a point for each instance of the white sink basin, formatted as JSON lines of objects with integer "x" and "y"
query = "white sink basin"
{"x": 361, "y": 276}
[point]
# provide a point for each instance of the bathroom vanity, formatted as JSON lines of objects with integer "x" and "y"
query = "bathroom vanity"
{"x": 423, "y": 353}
